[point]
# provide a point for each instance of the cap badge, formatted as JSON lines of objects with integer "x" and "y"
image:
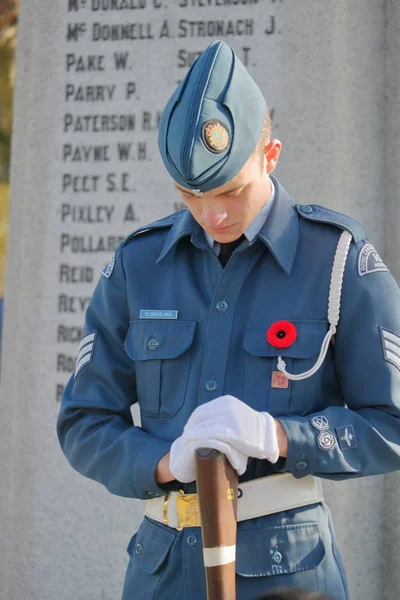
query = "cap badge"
{"x": 215, "y": 136}
{"x": 197, "y": 192}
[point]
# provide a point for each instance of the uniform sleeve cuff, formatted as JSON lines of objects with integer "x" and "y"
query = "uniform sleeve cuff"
{"x": 144, "y": 473}
{"x": 301, "y": 454}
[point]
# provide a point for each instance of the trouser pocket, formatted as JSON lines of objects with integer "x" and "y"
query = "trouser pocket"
{"x": 148, "y": 551}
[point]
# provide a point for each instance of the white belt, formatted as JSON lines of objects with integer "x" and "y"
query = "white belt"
{"x": 259, "y": 497}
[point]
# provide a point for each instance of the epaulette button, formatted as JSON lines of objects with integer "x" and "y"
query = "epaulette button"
{"x": 306, "y": 209}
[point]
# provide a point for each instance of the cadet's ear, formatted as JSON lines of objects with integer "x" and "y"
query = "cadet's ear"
{"x": 272, "y": 152}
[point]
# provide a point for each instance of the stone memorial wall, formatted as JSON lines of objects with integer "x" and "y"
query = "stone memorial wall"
{"x": 93, "y": 77}
{"x": 121, "y": 61}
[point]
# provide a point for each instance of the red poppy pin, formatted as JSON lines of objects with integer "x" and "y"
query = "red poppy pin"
{"x": 282, "y": 334}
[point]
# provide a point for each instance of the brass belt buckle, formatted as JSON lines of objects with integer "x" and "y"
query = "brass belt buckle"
{"x": 188, "y": 510}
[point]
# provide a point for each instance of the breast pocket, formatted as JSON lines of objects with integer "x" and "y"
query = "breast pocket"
{"x": 264, "y": 384}
{"x": 162, "y": 354}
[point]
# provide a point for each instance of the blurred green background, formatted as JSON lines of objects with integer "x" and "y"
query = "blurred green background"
{"x": 8, "y": 40}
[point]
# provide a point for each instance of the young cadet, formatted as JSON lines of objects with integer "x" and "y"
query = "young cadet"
{"x": 283, "y": 353}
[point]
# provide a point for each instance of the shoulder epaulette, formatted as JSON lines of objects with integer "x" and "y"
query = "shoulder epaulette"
{"x": 163, "y": 223}
{"x": 321, "y": 214}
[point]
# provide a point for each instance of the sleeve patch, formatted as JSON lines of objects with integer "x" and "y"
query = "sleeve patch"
{"x": 320, "y": 422}
{"x": 109, "y": 268}
{"x": 347, "y": 437}
{"x": 369, "y": 261}
{"x": 326, "y": 440}
{"x": 85, "y": 352}
{"x": 391, "y": 347}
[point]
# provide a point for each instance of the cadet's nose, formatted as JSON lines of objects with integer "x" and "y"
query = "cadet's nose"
{"x": 214, "y": 218}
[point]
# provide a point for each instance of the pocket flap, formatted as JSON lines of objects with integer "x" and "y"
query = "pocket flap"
{"x": 310, "y": 335}
{"x": 147, "y": 340}
{"x": 279, "y": 550}
{"x": 150, "y": 546}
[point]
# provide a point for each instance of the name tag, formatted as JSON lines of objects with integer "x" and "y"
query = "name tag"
{"x": 158, "y": 314}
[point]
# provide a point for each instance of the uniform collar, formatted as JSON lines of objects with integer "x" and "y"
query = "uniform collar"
{"x": 185, "y": 225}
{"x": 279, "y": 232}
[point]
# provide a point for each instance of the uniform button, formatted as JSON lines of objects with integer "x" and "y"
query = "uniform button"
{"x": 211, "y": 385}
{"x": 306, "y": 209}
{"x": 139, "y": 548}
{"x": 277, "y": 557}
{"x": 191, "y": 540}
{"x": 301, "y": 465}
{"x": 153, "y": 344}
{"x": 222, "y": 306}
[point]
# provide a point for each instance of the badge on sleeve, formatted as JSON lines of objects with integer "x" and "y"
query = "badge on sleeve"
{"x": 369, "y": 261}
{"x": 320, "y": 422}
{"x": 391, "y": 347}
{"x": 85, "y": 352}
{"x": 347, "y": 437}
{"x": 109, "y": 268}
{"x": 326, "y": 440}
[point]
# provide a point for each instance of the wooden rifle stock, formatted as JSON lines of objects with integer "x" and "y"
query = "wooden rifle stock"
{"x": 217, "y": 489}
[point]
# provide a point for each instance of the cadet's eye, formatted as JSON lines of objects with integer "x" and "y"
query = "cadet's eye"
{"x": 236, "y": 193}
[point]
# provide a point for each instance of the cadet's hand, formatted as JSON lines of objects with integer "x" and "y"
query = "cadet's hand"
{"x": 182, "y": 456}
{"x": 229, "y": 425}
{"x": 233, "y": 422}
{"x": 163, "y": 473}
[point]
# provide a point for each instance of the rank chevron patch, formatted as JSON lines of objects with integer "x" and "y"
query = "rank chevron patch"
{"x": 391, "y": 347}
{"x": 85, "y": 352}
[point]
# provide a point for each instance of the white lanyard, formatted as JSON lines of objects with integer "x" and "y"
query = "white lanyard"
{"x": 335, "y": 294}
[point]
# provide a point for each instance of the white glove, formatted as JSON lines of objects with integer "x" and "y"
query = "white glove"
{"x": 229, "y": 425}
{"x": 232, "y": 421}
{"x": 182, "y": 457}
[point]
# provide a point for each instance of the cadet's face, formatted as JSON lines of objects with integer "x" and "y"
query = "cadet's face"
{"x": 225, "y": 212}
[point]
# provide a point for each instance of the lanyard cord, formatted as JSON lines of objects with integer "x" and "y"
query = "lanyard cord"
{"x": 335, "y": 294}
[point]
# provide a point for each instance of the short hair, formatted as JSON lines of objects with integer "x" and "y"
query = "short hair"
{"x": 264, "y": 138}
{"x": 292, "y": 594}
{"x": 265, "y": 134}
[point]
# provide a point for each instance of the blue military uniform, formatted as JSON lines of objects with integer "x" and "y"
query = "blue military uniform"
{"x": 171, "y": 329}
